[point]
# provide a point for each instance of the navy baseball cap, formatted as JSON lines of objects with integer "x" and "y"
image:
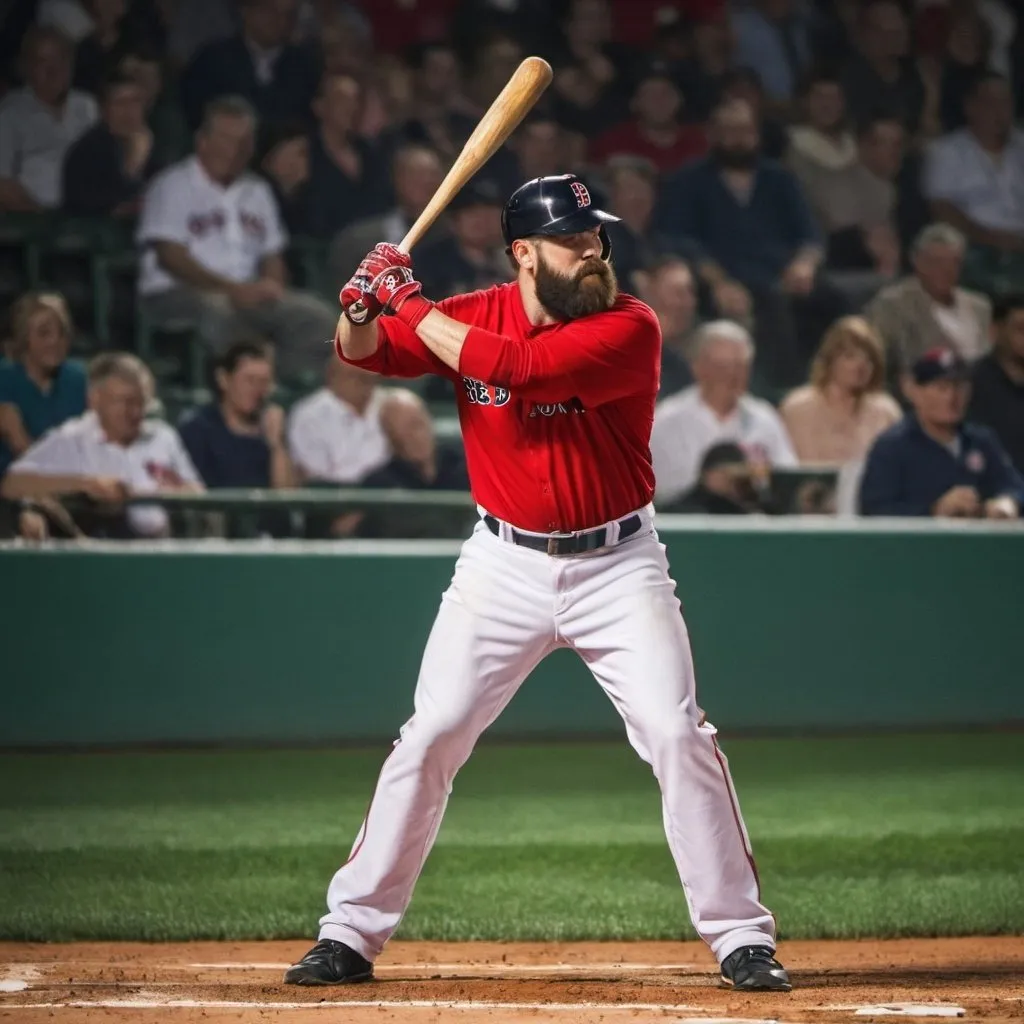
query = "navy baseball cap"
{"x": 940, "y": 364}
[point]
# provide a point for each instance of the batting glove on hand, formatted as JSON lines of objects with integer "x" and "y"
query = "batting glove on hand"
{"x": 357, "y": 298}
{"x": 396, "y": 288}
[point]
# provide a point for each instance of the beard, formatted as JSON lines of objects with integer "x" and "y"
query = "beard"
{"x": 735, "y": 159}
{"x": 592, "y": 289}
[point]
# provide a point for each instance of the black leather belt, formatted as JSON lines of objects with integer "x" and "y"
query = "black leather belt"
{"x": 570, "y": 543}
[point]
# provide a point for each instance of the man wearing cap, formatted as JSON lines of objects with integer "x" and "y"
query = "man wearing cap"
{"x": 933, "y": 463}
{"x": 557, "y": 376}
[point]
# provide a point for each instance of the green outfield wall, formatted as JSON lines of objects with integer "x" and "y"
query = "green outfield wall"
{"x": 794, "y": 626}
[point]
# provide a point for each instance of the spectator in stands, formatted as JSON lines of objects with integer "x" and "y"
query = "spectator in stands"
{"x": 212, "y": 243}
{"x": 239, "y": 440}
{"x": 773, "y": 37}
{"x": 853, "y": 206}
{"x": 743, "y": 84}
{"x": 632, "y": 184}
{"x": 335, "y": 435}
{"x": 69, "y": 17}
{"x": 655, "y": 130}
{"x": 101, "y": 49}
{"x": 171, "y": 138}
{"x": 710, "y": 44}
{"x": 588, "y": 90}
{"x": 933, "y": 462}
{"x": 109, "y": 453}
{"x": 728, "y": 485}
{"x": 966, "y": 58}
{"x": 107, "y": 168}
{"x": 997, "y": 399}
{"x": 835, "y": 418}
{"x": 260, "y": 63}
{"x": 473, "y": 256}
{"x": 416, "y": 173}
{"x": 285, "y": 164}
{"x": 195, "y": 24}
{"x": 974, "y": 179}
{"x": 439, "y": 116}
{"x": 754, "y": 233}
{"x": 417, "y": 463}
{"x": 883, "y": 152}
{"x": 39, "y": 388}
{"x": 541, "y": 146}
{"x": 926, "y": 309}
{"x": 667, "y": 285}
{"x": 40, "y": 122}
{"x": 880, "y": 76}
{"x": 348, "y": 173}
{"x": 717, "y": 408}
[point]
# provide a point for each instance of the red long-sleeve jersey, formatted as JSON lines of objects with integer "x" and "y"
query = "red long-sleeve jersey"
{"x": 556, "y": 420}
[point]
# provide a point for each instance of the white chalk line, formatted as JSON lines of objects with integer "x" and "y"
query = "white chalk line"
{"x": 379, "y": 1004}
{"x": 464, "y": 967}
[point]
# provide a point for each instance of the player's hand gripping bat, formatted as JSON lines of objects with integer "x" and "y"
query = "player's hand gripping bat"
{"x": 502, "y": 118}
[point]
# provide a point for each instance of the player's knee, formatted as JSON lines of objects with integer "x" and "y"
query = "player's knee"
{"x": 672, "y": 729}
{"x": 443, "y": 738}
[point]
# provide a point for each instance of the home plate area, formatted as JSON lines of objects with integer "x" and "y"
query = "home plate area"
{"x": 505, "y": 983}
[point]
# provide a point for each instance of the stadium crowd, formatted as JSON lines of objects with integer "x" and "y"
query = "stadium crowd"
{"x": 822, "y": 201}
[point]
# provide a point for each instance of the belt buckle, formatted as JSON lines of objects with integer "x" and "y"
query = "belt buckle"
{"x": 553, "y": 546}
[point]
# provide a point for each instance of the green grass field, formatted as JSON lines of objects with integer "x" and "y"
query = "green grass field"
{"x": 884, "y": 836}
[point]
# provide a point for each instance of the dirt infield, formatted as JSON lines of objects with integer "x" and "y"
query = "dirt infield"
{"x": 422, "y": 983}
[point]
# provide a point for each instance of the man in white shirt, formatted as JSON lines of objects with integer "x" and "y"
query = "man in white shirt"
{"x": 212, "y": 249}
{"x": 335, "y": 435}
{"x": 39, "y": 123}
{"x": 715, "y": 409}
{"x": 111, "y": 452}
{"x": 974, "y": 179}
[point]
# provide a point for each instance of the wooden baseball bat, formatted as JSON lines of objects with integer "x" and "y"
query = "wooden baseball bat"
{"x": 502, "y": 118}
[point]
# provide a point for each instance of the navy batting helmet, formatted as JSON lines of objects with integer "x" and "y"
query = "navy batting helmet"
{"x": 559, "y": 204}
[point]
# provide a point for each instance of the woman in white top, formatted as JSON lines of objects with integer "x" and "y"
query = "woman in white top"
{"x": 834, "y": 419}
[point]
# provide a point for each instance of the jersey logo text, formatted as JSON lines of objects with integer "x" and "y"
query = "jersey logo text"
{"x": 573, "y": 405}
{"x": 479, "y": 393}
{"x": 581, "y": 193}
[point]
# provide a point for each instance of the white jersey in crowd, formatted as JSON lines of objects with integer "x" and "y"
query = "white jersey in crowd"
{"x": 34, "y": 140}
{"x": 685, "y": 428}
{"x": 329, "y": 440}
{"x": 79, "y": 447}
{"x": 229, "y": 231}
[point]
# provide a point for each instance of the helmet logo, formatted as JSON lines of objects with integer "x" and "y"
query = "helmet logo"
{"x": 581, "y": 193}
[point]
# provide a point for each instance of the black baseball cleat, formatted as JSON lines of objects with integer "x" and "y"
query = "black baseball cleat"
{"x": 329, "y": 963}
{"x": 755, "y": 969}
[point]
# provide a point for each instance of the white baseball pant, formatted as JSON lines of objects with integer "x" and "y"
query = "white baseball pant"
{"x": 506, "y": 608}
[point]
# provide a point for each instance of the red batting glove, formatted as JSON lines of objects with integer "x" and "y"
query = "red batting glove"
{"x": 395, "y": 287}
{"x": 357, "y": 298}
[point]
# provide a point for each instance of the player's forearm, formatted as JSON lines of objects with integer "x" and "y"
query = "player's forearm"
{"x": 444, "y": 337}
{"x": 355, "y": 341}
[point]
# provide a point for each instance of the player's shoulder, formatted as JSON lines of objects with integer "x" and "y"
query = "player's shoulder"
{"x": 628, "y": 308}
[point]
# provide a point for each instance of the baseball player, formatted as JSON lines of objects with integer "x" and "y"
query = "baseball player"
{"x": 557, "y": 374}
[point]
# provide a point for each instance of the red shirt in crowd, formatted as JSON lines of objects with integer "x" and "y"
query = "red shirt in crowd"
{"x": 691, "y": 142}
{"x": 556, "y": 419}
